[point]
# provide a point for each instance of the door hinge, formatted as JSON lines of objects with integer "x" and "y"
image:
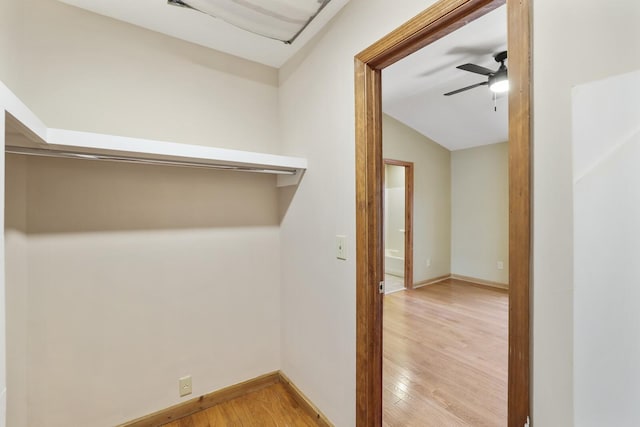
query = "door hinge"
{"x": 527, "y": 423}
{"x": 381, "y": 287}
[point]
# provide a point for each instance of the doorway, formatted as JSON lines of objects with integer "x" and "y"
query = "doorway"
{"x": 398, "y": 202}
{"x": 437, "y": 21}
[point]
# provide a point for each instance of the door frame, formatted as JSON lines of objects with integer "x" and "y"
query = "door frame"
{"x": 432, "y": 24}
{"x": 408, "y": 218}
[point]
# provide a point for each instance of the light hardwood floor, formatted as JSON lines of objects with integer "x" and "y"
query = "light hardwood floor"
{"x": 272, "y": 406}
{"x": 445, "y": 356}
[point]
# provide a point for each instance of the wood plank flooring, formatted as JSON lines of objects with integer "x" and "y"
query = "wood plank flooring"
{"x": 445, "y": 356}
{"x": 272, "y": 406}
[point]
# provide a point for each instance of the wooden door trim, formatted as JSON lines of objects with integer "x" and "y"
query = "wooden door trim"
{"x": 408, "y": 218}
{"x": 520, "y": 137}
{"x": 435, "y": 22}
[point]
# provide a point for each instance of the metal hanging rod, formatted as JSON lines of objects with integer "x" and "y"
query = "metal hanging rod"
{"x": 136, "y": 160}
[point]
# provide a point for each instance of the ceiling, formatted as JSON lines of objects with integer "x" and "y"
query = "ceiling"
{"x": 204, "y": 30}
{"x": 413, "y": 88}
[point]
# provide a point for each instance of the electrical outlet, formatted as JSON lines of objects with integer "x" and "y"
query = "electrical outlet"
{"x": 341, "y": 247}
{"x": 428, "y": 262}
{"x": 184, "y": 385}
{"x": 500, "y": 265}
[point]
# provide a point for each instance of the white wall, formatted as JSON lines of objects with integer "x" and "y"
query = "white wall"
{"x": 394, "y": 210}
{"x": 480, "y": 212}
{"x": 137, "y": 275}
{"x": 432, "y": 196}
{"x": 606, "y": 148}
{"x": 564, "y": 42}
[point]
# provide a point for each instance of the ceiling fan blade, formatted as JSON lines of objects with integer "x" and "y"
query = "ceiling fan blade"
{"x": 466, "y": 88}
{"x": 473, "y": 68}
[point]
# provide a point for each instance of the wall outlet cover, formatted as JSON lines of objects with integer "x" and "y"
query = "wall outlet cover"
{"x": 184, "y": 385}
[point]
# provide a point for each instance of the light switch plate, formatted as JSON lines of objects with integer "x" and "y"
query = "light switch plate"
{"x": 184, "y": 385}
{"x": 341, "y": 248}
{"x": 500, "y": 265}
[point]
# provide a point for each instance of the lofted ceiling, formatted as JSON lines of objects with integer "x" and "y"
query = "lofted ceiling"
{"x": 413, "y": 88}
{"x": 202, "y": 29}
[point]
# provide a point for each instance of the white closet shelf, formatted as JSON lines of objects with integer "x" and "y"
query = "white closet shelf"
{"x": 31, "y": 137}
{"x": 94, "y": 146}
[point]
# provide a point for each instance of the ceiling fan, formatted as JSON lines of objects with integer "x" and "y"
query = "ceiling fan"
{"x": 497, "y": 80}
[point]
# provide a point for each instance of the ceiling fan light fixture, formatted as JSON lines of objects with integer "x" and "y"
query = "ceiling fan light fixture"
{"x": 499, "y": 82}
{"x": 500, "y": 86}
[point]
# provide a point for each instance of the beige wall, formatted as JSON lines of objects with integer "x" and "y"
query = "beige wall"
{"x": 317, "y": 122}
{"x": 9, "y": 72}
{"x": 432, "y": 196}
{"x": 318, "y": 292}
{"x": 10, "y": 37}
{"x": 137, "y": 275}
{"x": 83, "y": 71}
{"x": 16, "y": 290}
{"x": 480, "y": 212}
{"x": 116, "y": 339}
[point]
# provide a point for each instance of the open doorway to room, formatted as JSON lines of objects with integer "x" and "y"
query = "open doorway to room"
{"x": 398, "y": 229}
{"x": 465, "y": 397}
{"x": 445, "y": 337}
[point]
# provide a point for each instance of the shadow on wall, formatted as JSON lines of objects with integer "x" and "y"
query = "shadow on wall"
{"x": 106, "y": 256}
{"x": 69, "y": 195}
